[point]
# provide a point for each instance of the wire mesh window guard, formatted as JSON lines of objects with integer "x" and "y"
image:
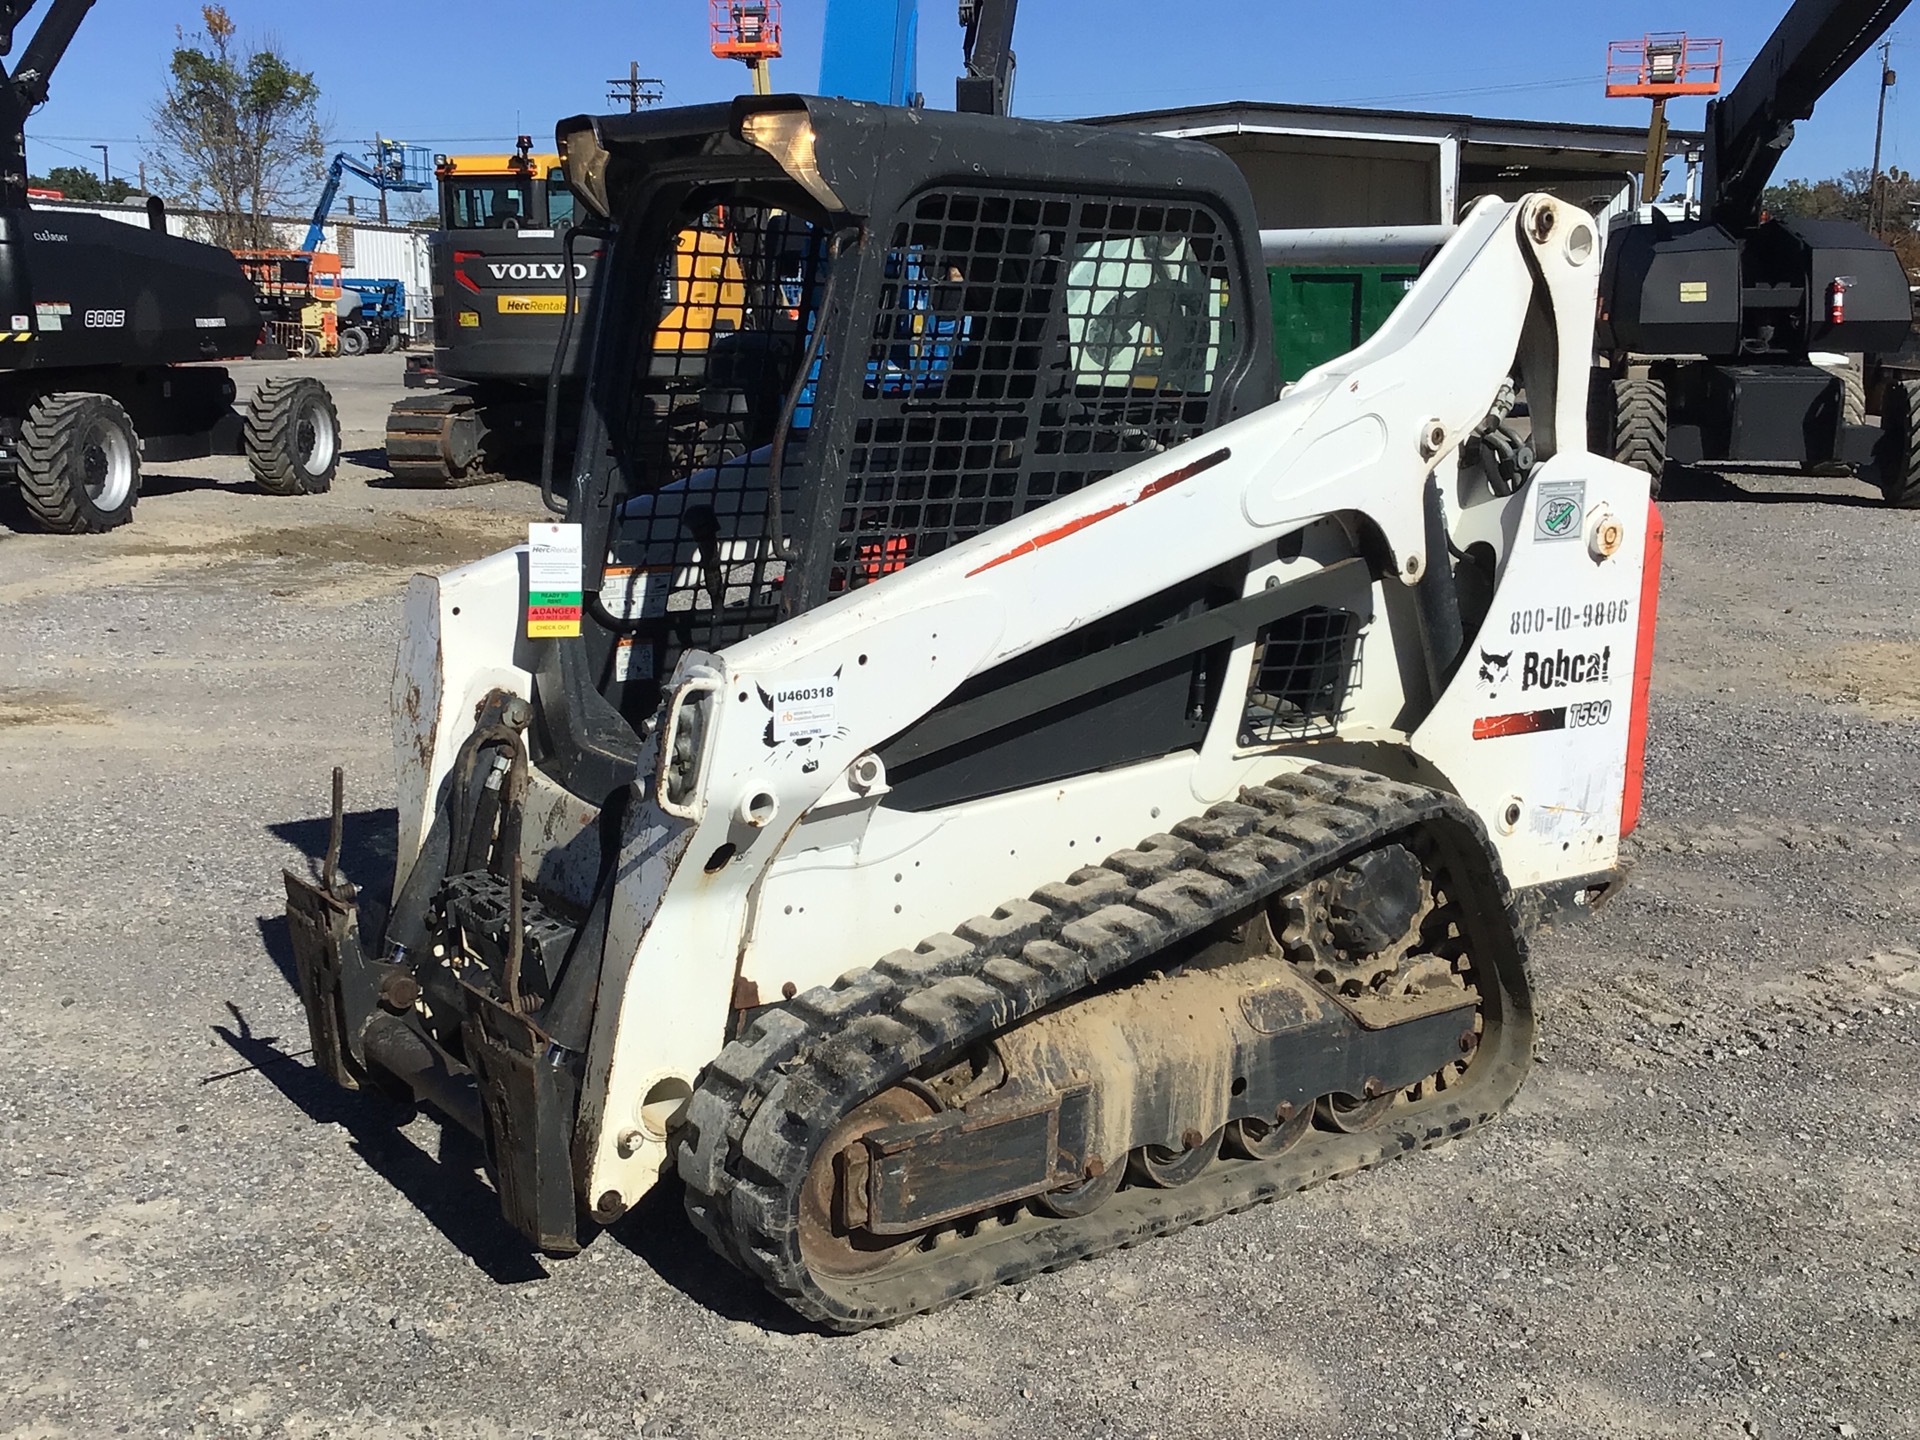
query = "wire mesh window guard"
{"x": 1306, "y": 667}
{"x": 692, "y": 564}
{"x": 1025, "y": 347}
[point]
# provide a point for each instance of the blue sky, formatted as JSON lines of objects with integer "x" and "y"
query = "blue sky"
{"x": 455, "y": 74}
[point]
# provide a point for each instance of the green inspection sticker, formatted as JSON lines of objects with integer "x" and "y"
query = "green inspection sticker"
{"x": 1559, "y": 509}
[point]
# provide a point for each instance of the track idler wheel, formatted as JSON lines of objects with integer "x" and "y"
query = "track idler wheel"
{"x": 1352, "y": 1114}
{"x": 437, "y": 443}
{"x": 833, "y": 1241}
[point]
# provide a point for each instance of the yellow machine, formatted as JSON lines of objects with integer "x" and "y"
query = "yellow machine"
{"x": 500, "y": 285}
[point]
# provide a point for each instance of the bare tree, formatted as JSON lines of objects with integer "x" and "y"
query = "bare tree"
{"x": 238, "y": 131}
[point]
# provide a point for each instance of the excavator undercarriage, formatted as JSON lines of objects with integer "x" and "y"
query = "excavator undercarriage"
{"x": 981, "y": 569}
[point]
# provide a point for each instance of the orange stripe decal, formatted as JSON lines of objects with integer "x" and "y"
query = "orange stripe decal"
{"x": 1147, "y": 492}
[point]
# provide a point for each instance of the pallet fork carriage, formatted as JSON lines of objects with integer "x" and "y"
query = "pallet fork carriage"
{"x": 1023, "y": 784}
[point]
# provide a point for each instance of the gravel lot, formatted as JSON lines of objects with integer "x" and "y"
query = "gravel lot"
{"x": 1702, "y": 1218}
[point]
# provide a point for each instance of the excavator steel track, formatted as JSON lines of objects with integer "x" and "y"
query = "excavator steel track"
{"x": 769, "y": 1100}
{"x": 425, "y": 448}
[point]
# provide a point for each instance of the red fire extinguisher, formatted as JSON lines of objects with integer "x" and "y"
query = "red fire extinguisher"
{"x": 1837, "y": 299}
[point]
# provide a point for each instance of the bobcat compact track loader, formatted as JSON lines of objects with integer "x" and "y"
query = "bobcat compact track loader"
{"x": 1028, "y": 786}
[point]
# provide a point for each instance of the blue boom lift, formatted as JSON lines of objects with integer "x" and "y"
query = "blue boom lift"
{"x": 373, "y": 313}
{"x": 389, "y": 166}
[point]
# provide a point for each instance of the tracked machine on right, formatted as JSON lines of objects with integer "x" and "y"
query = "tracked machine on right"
{"x": 1711, "y": 328}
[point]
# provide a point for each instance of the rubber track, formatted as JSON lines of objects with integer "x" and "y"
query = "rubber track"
{"x": 1640, "y": 426}
{"x": 46, "y": 462}
{"x": 768, "y": 1100}
{"x": 268, "y": 416}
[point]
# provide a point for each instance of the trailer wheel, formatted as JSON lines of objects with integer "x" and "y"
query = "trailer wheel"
{"x": 1639, "y": 434}
{"x": 79, "y": 464}
{"x": 293, "y": 436}
{"x": 353, "y": 341}
{"x": 1897, "y": 457}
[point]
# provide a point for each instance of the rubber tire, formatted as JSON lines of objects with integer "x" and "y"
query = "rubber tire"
{"x": 354, "y": 341}
{"x": 1639, "y": 435}
{"x": 52, "y": 486}
{"x": 1897, "y": 459}
{"x": 1853, "y": 395}
{"x": 272, "y": 436}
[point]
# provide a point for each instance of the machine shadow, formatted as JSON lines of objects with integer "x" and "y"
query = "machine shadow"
{"x": 659, "y": 1234}
{"x": 447, "y": 1190}
{"x": 1684, "y": 483}
{"x": 373, "y": 457}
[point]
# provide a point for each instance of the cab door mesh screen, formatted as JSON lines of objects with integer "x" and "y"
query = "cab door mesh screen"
{"x": 1023, "y": 348}
{"x": 692, "y": 563}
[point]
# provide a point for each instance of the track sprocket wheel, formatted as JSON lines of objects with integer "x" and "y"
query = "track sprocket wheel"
{"x": 1358, "y": 934}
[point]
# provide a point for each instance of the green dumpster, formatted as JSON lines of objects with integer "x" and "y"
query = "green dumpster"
{"x": 1321, "y": 311}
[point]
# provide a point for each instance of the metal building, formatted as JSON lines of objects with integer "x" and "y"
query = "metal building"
{"x": 1313, "y": 165}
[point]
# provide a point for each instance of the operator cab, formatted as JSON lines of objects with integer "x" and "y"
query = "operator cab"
{"x": 942, "y": 322}
{"x": 522, "y": 190}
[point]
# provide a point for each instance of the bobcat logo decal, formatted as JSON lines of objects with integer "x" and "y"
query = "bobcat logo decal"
{"x": 1493, "y": 670}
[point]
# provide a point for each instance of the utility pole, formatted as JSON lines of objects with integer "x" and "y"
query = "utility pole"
{"x": 634, "y": 90}
{"x": 379, "y": 156}
{"x": 106, "y": 164}
{"x": 1887, "y": 80}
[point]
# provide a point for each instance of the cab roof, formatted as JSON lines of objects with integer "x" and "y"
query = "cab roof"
{"x": 483, "y": 166}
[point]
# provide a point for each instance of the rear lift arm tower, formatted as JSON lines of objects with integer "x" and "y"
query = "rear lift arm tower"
{"x": 1710, "y": 328}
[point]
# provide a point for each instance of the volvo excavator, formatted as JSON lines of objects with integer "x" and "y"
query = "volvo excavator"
{"x": 1016, "y": 782}
{"x": 504, "y": 268}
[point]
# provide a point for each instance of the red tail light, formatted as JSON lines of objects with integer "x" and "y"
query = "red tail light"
{"x": 460, "y": 258}
{"x": 1643, "y": 671}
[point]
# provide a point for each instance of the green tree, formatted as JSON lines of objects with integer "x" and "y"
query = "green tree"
{"x": 238, "y": 132}
{"x": 1849, "y": 197}
{"x": 80, "y": 184}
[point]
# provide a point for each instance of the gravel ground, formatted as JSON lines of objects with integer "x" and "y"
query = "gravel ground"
{"x": 1698, "y": 1220}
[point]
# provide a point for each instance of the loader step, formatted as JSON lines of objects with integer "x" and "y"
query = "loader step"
{"x": 765, "y": 1109}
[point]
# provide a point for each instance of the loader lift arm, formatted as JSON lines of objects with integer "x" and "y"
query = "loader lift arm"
{"x": 25, "y": 88}
{"x": 1747, "y": 131}
{"x": 987, "y": 87}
